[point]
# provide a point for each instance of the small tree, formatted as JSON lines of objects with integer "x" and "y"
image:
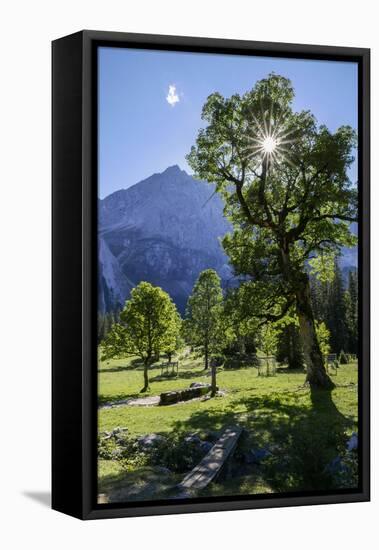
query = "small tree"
{"x": 175, "y": 342}
{"x": 149, "y": 324}
{"x": 240, "y": 334}
{"x": 268, "y": 341}
{"x": 323, "y": 337}
{"x": 204, "y": 318}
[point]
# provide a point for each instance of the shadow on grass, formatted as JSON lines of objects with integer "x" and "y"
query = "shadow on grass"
{"x": 135, "y": 365}
{"x": 122, "y": 396}
{"x": 121, "y": 368}
{"x": 301, "y": 440}
{"x": 145, "y": 483}
{"x": 183, "y": 375}
{"x": 288, "y": 370}
{"x": 301, "y": 437}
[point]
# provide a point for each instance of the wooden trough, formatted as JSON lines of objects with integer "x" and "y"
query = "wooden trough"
{"x": 195, "y": 390}
{"x": 211, "y": 465}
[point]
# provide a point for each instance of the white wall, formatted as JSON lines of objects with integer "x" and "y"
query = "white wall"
{"x": 27, "y": 27}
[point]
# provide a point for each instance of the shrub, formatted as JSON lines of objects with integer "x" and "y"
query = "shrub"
{"x": 343, "y": 358}
{"x": 177, "y": 453}
{"x": 105, "y": 447}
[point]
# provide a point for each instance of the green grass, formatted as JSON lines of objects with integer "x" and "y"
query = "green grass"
{"x": 142, "y": 484}
{"x": 308, "y": 427}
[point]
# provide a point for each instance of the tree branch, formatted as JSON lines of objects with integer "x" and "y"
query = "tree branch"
{"x": 271, "y": 318}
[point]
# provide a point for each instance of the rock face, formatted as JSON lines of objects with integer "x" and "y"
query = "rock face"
{"x": 114, "y": 286}
{"x": 165, "y": 230}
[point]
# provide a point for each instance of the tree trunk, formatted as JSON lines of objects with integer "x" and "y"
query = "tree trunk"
{"x": 146, "y": 386}
{"x": 295, "y": 361}
{"x": 213, "y": 379}
{"x": 241, "y": 345}
{"x": 206, "y": 356}
{"x": 290, "y": 348}
{"x": 317, "y": 376}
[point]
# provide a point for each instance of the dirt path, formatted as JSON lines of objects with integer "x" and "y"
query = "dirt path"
{"x": 139, "y": 402}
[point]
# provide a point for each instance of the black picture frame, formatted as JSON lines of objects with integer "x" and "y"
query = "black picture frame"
{"x": 74, "y": 271}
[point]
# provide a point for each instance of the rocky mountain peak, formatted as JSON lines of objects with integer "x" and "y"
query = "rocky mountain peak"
{"x": 165, "y": 229}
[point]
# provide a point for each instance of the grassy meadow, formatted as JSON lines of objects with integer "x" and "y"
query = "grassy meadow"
{"x": 301, "y": 430}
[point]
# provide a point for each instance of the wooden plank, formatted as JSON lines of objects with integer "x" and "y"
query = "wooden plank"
{"x": 211, "y": 465}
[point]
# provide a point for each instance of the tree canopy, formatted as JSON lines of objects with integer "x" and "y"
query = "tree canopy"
{"x": 204, "y": 317}
{"x": 285, "y": 185}
{"x": 149, "y": 325}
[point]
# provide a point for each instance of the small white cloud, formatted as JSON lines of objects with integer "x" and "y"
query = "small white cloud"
{"x": 172, "y": 97}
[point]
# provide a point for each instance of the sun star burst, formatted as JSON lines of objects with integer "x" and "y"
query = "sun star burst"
{"x": 269, "y": 144}
{"x": 270, "y": 139}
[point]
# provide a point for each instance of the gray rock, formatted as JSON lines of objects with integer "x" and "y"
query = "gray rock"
{"x": 193, "y": 438}
{"x": 169, "y": 397}
{"x": 206, "y": 446}
{"x": 256, "y": 456}
{"x": 352, "y": 444}
{"x": 119, "y": 430}
{"x": 150, "y": 440}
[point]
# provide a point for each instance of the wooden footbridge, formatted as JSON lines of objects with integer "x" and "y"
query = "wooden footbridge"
{"x": 214, "y": 461}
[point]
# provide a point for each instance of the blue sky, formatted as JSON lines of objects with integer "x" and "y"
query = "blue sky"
{"x": 150, "y": 103}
